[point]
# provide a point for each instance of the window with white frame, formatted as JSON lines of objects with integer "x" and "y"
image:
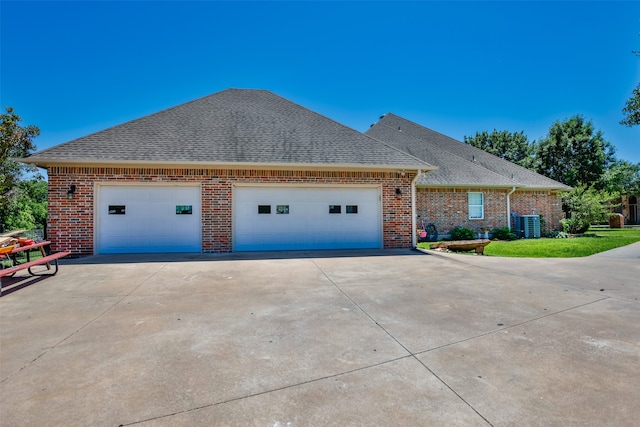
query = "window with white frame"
{"x": 476, "y": 206}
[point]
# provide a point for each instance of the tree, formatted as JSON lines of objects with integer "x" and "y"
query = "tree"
{"x": 513, "y": 147}
{"x": 574, "y": 153}
{"x": 15, "y": 141}
{"x": 622, "y": 177}
{"x": 587, "y": 206}
{"x": 632, "y": 109}
{"x": 28, "y": 208}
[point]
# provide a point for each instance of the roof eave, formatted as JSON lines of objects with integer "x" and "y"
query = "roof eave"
{"x": 501, "y": 186}
{"x": 224, "y": 165}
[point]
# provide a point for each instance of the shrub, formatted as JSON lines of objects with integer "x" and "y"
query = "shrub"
{"x": 503, "y": 234}
{"x": 461, "y": 233}
{"x": 551, "y": 234}
{"x": 575, "y": 225}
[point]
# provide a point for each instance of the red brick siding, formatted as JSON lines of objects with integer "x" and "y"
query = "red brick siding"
{"x": 448, "y": 208}
{"x": 545, "y": 203}
{"x": 71, "y": 222}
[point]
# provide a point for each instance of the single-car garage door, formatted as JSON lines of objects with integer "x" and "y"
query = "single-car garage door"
{"x": 301, "y": 218}
{"x": 144, "y": 219}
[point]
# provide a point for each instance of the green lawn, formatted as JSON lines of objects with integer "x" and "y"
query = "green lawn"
{"x": 597, "y": 240}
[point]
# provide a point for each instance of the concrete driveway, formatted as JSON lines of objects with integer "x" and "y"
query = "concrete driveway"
{"x": 324, "y": 338}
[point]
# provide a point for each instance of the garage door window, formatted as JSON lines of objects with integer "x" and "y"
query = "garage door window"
{"x": 282, "y": 209}
{"x": 184, "y": 210}
{"x": 352, "y": 209}
{"x": 116, "y": 209}
{"x": 264, "y": 209}
{"x": 335, "y": 209}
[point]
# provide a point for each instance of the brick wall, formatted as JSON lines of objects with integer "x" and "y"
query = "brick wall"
{"x": 448, "y": 208}
{"x": 537, "y": 202}
{"x": 71, "y": 221}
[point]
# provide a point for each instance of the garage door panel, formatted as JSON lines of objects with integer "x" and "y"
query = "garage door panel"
{"x": 150, "y": 222}
{"x": 308, "y": 224}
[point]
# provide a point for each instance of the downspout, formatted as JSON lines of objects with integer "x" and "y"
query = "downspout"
{"x": 513, "y": 189}
{"x": 414, "y": 241}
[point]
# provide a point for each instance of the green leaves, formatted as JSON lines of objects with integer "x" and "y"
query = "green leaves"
{"x": 513, "y": 147}
{"x": 15, "y": 142}
{"x": 574, "y": 153}
{"x": 631, "y": 109}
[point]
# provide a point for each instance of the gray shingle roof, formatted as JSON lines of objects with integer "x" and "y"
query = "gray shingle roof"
{"x": 459, "y": 164}
{"x": 232, "y": 127}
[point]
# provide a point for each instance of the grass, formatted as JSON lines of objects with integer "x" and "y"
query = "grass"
{"x": 596, "y": 240}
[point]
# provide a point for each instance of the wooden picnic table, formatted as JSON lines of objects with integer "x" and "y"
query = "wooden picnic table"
{"x": 29, "y": 264}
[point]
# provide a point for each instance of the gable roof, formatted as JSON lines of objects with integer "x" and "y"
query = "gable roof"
{"x": 231, "y": 128}
{"x": 459, "y": 164}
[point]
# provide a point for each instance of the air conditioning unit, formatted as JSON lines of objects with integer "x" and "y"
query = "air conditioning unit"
{"x": 528, "y": 226}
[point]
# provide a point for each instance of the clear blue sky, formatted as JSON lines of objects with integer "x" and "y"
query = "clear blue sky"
{"x": 73, "y": 68}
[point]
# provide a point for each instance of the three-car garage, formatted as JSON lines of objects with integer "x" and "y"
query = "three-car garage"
{"x": 168, "y": 218}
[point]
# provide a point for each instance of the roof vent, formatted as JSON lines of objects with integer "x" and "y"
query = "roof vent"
{"x": 473, "y": 158}
{"x": 399, "y": 130}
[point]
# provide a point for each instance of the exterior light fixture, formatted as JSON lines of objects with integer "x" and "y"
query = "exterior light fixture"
{"x": 71, "y": 191}
{"x": 398, "y": 192}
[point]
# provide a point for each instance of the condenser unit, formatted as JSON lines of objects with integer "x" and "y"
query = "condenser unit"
{"x": 528, "y": 226}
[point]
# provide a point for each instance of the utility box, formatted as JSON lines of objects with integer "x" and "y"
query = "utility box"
{"x": 528, "y": 226}
{"x": 616, "y": 221}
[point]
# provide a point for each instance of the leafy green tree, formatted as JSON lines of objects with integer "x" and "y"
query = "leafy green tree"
{"x": 574, "y": 153}
{"x": 631, "y": 109}
{"x": 28, "y": 208}
{"x": 622, "y": 177}
{"x": 15, "y": 141}
{"x": 21, "y": 202}
{"x": 514, "y": 147}
{"x": 588, "y": 205}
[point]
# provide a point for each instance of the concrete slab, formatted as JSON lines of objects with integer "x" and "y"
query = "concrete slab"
{"x": 322, "y": 338}
{"x": 575, "y": 368}
{"x": 400, "y": 392}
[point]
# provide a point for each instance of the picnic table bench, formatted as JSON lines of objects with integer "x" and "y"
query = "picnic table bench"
{"x": 45, "y": 260}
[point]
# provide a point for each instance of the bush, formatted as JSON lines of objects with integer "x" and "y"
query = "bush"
{"x": 503, "y": 234}
{"x": 461, "y": 233}
{"x": 551, "y": 234}
{"x": 575, "y": 225}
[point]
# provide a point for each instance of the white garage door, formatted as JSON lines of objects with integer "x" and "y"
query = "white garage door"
{"x": 293, "y": 218}
{"x": 144, "y": 219}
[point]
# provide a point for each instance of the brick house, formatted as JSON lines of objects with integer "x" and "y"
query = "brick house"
{"x": 471, "y": 188}
{"x": 245, "y": 170}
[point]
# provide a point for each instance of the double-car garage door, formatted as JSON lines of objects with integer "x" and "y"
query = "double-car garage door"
{"x": 150, "y": 218}
{"x": 300, "y": 218}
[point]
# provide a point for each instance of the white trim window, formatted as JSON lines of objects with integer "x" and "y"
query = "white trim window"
{"x": 476, "y": 206}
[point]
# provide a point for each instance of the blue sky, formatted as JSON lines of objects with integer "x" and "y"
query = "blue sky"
{"x": 73, "y": 68}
